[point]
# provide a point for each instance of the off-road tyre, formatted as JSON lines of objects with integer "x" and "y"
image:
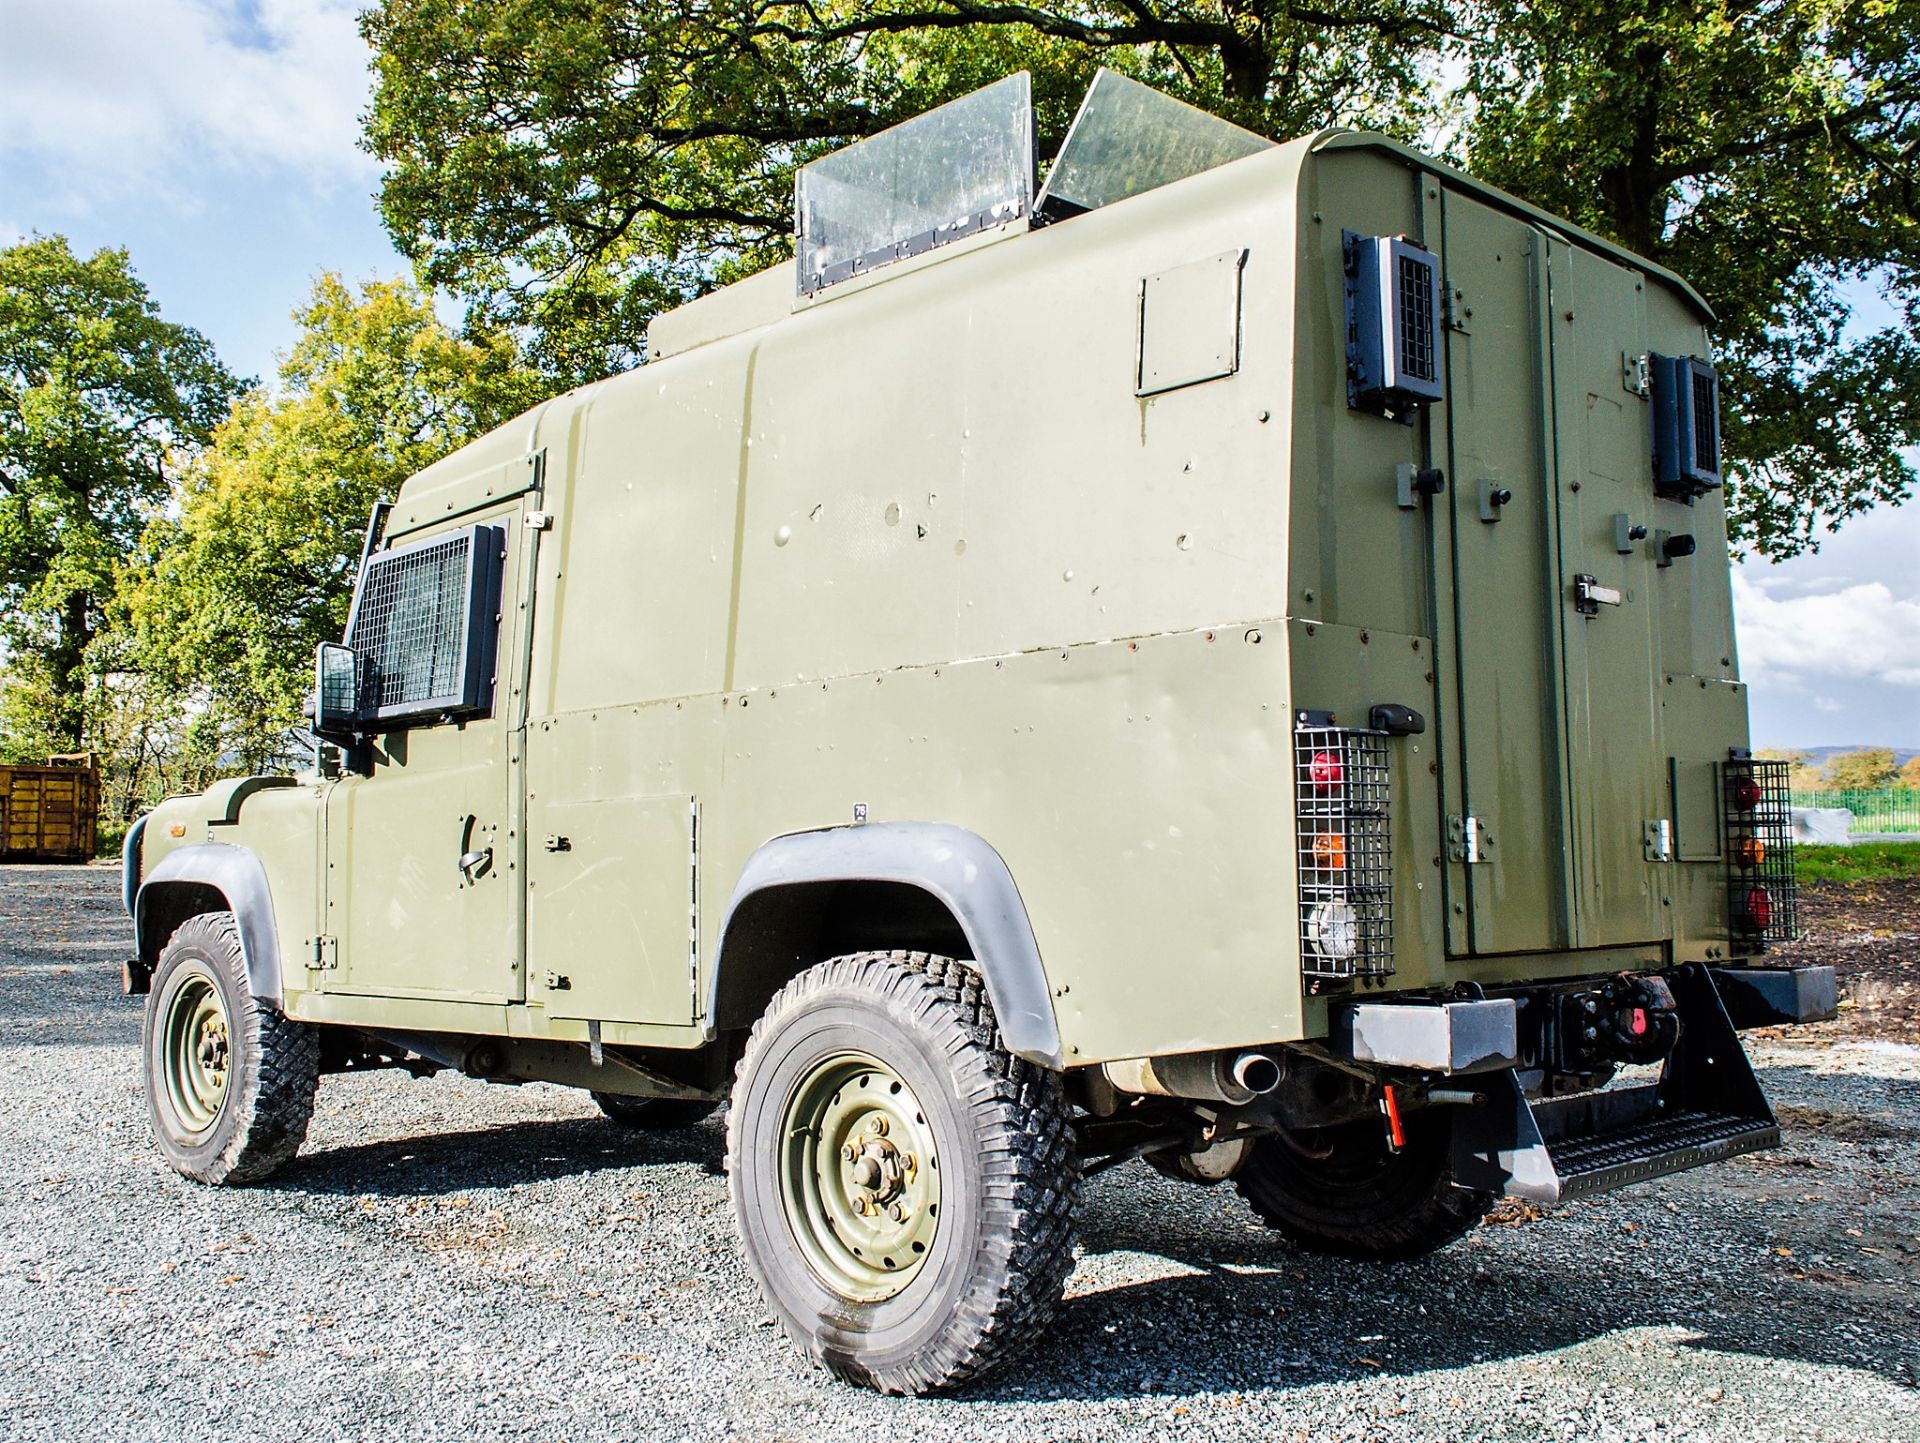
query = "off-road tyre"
{"x": 1363, "y": 1200}
{"x": 253, "y": 1122}
{"x": 991, "y": 1275}
{"x": 655, "y": 1114}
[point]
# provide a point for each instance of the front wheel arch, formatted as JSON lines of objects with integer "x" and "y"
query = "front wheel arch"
{"x": 212, "y": 877}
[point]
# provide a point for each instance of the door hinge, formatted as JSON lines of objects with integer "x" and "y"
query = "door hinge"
{"x": 1467, "y": 840}
{"x": 539, "y": 520}
{"x": 325, "y": 954}
{"x": 1636, "y": 373}
{"x": 1659, "y": 840}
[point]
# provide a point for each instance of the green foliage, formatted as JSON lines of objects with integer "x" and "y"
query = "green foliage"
{"x": 1910, "y": 773}
{"x": 1769, "y": 151}
{"x": 1864, "y": 770}
{"x": 1870, "y": 862}
{"x": 576, "y": 166}
{"x": 101, "y": 402}
{"x": 229, "y": 597}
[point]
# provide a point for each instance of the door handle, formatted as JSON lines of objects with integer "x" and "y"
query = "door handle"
{"x": 1589, "y": 595}
{"x": 472, "y": 864}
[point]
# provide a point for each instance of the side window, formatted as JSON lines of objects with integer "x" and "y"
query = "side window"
{"x": 424, "y": 628}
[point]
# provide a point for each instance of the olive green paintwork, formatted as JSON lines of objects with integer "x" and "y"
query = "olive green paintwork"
{"x": 917, "y": 545}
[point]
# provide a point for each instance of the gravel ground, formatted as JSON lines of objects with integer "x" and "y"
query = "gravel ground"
{"x": 451, "y": 1260}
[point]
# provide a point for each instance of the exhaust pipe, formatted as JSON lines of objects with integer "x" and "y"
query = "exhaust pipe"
{"x": 1257, "y": 1072}
{"x": 1227, "y": 1078}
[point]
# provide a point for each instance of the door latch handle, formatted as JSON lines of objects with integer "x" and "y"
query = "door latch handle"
{"x": 1589, "y": 595}
{"x": 473, "y": 864}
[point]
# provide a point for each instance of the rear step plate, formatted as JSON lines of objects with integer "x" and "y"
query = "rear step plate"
{"x": 1707, "y": 1106}
{"x": 1675, "y": 1143}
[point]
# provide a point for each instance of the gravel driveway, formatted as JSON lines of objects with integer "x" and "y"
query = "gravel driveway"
{"x": 452, "y": 1260}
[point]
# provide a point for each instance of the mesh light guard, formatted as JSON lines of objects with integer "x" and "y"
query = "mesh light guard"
{"x": 1759, "y": 850}
{"x": 1341, "y": 794}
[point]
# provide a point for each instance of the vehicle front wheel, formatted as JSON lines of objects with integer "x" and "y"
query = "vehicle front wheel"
{"x": 904, "y": 1186}
{"x": 230, "y": 1082}
{"x": 1341, "y": 1191}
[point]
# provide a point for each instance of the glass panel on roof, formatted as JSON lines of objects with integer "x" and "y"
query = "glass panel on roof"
{"x": 1128, "y": 138}
{"x": 956, "y": 170}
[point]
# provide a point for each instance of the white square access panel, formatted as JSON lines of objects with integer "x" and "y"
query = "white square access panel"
{"x": 1190, "y": 323}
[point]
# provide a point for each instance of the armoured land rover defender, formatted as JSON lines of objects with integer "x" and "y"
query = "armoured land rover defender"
{"x": 1224, "y": 658}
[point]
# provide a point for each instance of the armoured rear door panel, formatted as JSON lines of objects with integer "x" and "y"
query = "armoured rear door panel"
{"x": 1616, "y": 765}
{"x": 1504, "y": 777}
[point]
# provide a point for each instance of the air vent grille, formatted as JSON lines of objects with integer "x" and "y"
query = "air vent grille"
{"x": 1415, "y": 295}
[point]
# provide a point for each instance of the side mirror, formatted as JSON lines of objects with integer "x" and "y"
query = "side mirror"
{"x": 336, "y": 691}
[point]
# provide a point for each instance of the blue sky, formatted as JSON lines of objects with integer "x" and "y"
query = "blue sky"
{"x": 216, "y": 140}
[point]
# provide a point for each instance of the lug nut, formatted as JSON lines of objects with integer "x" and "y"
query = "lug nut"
{"x": 897, "y": 1213}
{"x": 877, "y": 1126}
{"x": 850, "y": 1153}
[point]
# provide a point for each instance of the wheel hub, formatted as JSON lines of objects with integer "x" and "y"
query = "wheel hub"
{"x": 860, "y": 1177}
{"x": 198, "y": 1058}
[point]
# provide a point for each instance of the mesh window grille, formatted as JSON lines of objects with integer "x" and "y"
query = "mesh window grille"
{"x": 1415, "y": 296}
{"x": 1762, "y": 895}
{"x": 1341, "y": 791}
{"x": 415, "y": 626}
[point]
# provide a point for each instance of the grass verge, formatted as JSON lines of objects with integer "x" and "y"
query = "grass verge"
{"x": 1869, "y": 862}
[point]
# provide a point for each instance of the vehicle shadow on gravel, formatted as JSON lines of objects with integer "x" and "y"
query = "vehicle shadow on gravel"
{"x": 1257, "y": 1313}
{"x": 434, "y": 1164}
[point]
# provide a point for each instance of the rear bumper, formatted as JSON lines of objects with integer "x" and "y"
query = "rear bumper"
{"x": 1706, "y": 1107}
{"x": 1772, "y": 996}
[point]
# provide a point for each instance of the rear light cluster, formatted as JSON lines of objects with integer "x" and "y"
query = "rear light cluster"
{"x": 1761, "y": 895}
{"x": 1346, "y": 879}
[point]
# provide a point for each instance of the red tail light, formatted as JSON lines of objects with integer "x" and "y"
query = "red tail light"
{"x": 1326, "y": 771}
{"x": 1759, "y": 909}
{"x": 1745, "y": 793}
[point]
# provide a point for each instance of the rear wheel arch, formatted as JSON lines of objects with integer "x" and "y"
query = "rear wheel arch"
{"x": 808, "y": 896}
{"x": 212, "y": 877}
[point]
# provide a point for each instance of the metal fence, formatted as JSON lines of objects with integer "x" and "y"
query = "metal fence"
{"x": 1884, "y": 809}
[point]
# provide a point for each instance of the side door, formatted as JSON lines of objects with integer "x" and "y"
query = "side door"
{"x": 423, "y": 888}
{"x": 1506, "y": 805}
{"x": 1616, "y": 765}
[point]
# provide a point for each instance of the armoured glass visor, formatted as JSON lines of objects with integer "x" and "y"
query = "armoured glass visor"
{"x": 958, "y": 169}
{"x": 1128, "y": 138}
{"x": 969, "y": 165}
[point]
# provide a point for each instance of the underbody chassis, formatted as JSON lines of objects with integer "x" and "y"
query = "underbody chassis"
{"x": 1527, "y": 1078}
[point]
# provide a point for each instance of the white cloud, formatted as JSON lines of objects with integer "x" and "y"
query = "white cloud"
{"x": 1861, "y": 632}
{"x": 110, "y": 99}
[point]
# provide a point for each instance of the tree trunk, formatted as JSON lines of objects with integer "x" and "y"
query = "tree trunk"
{"x": 70, "y": 672}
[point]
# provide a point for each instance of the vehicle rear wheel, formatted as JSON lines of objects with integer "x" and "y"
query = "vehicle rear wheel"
{"x": 230, "y": 1082}
{"x": 655, "y": 1114}
{"x": 904, "y": 1186}
{"x": 1341, "y": 1191}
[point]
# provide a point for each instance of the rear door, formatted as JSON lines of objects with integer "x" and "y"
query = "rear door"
{"x": 1603, "y": 446}
{"x": 1505, "y": 794}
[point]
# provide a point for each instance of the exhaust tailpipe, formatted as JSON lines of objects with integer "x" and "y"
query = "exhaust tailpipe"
{"x": 1227, "y": 1078}
{"x": 1258, "y": 1073}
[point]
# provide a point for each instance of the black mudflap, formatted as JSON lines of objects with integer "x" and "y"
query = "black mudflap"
{"x": 1706, "y": 1106}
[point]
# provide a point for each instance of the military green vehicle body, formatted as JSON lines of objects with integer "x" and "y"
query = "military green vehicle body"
{"x": 975, "y": 605}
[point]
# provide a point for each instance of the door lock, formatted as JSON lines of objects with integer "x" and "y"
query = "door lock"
{"x": 475, "y": 864}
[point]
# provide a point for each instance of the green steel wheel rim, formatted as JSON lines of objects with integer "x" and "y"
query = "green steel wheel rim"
{"x": 859, "y": 1176}
{"x": 197, "y": 1053}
